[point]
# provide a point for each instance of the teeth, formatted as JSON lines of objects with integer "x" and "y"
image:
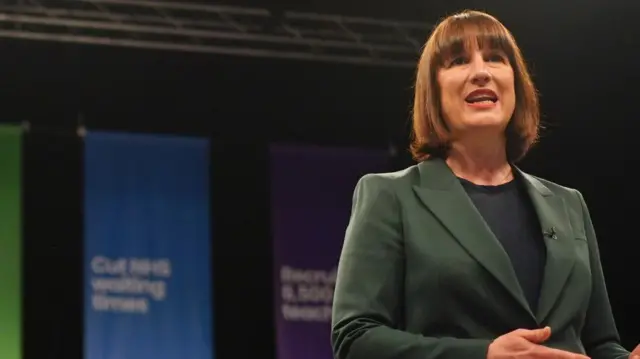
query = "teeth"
{"x": 481, "y": 102}
{"x": 480, "y": 99}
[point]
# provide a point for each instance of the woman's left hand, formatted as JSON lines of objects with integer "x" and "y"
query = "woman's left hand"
{"x": 635, "y": 354}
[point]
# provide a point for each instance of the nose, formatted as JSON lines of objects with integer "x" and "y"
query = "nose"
{"x": 480, "y": 74}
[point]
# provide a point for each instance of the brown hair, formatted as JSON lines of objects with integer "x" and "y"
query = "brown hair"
{"x": 431, "y": 137}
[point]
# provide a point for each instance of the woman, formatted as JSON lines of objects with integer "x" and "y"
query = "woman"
{"x": 464, "y": 256}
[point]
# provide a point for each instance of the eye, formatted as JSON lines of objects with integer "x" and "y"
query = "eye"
{"x": 457, "y": 61}
{"x": 495, "y": 57}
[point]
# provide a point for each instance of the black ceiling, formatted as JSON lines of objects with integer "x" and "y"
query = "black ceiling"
{"x": 582, "y": 58}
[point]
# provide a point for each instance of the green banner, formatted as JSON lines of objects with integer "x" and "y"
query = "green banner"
{"x": 10, "y": 243}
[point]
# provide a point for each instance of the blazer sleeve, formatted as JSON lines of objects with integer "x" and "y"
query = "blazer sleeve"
{"x": 599, "y": 336}
{"x": 368, "y": 297}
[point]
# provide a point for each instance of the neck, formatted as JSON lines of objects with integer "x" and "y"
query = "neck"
{"x": 480, "y": 163}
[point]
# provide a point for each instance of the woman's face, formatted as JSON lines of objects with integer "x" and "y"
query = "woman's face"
{"x": 477, "y": 91}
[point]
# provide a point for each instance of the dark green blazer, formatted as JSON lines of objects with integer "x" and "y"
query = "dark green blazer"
{"x": 421, "y": 276}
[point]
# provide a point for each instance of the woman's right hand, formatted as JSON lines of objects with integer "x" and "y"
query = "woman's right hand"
{"x": 525, "y": 344}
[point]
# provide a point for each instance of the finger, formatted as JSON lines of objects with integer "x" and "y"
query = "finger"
{"x": 535, "y": 335}
{"x": 550, "y": 353}
{"x": 579, "y": 356}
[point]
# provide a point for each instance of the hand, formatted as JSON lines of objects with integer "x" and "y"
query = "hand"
{"x": 635, "y": 354}
{"x": 525, "y": 344}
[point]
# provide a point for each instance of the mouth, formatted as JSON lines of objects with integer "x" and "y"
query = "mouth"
{"x": 481, "y": 96}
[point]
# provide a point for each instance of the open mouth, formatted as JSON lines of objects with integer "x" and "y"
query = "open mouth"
{"x": 481, "y": 96}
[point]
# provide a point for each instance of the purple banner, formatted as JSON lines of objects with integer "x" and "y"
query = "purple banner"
{"x": 311, "y": 194}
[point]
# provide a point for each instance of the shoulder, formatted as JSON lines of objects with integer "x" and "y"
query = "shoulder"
{"x": 382, "y": 191}
{"x": 554, "y": 187}
{"x": 389, "y": 181}
{"x": 376, "y": 199}
{"x": 571, "y": 196}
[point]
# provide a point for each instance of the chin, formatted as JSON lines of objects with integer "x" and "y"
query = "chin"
{"x": 485, "y": 121}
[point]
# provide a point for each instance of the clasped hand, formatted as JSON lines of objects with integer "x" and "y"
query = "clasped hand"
{"x": 526, "y": 344}
{"x": 635, "y": 354}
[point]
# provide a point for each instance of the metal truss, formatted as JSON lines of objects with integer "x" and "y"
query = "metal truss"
{"x": 192, "y": 27}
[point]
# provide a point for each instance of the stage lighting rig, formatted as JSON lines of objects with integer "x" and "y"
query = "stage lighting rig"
{"x": 223, "y": 30}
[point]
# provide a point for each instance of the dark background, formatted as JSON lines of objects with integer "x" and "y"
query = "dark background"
{"x": 584, "y": 57}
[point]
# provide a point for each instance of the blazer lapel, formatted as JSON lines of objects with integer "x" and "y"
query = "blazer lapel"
{"x": 441, "y": 192}
{"x": 558, "y": 238}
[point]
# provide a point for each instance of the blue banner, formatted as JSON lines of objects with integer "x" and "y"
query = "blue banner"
{"x": 147, "y": 247}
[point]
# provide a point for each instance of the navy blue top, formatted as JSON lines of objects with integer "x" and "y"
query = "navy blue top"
{"x": 509, "y": 213}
